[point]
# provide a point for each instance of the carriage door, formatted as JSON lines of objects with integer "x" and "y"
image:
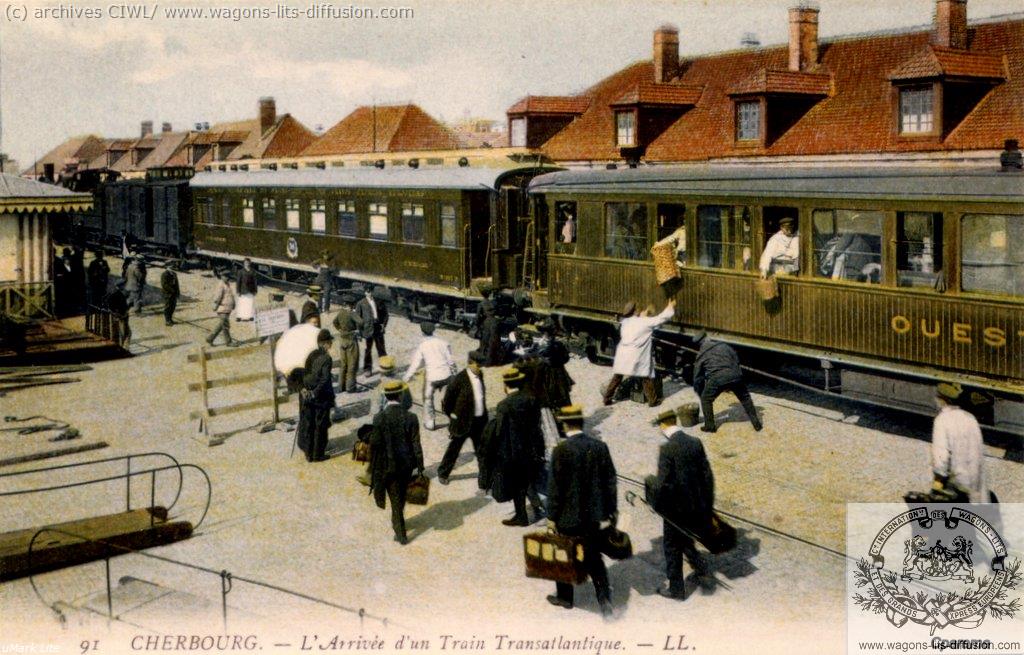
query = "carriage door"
{"x": 478, "y": 229}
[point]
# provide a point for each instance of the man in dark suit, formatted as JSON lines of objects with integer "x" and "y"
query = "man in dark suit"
{"x": 582, "y": 501}
{"x": 247, "y": 283}
{"x": 317, "y": 399}
{"x": 684, "y": 495}
{"x": 374, "y": 314}
{"x": 465, "y": 403}
{"x": 395, "y": 456}
{"x": 514, "y": 449}
{"x": 170, "y": 291}
{"x": 99, "y": 275}
{"x": 716, "y": 371}
{"x": 310, "y": 312}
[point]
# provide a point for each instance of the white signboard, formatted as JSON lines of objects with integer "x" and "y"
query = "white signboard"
{"x": 272, "y": 321}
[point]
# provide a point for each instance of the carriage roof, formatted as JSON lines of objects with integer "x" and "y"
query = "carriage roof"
{"x": 364, "y": 177}
{"x": 964, "y": 184}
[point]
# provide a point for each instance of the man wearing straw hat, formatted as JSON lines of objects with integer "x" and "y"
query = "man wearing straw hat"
{"x": 683, "y": 494}
{"x": 582, "y": 500}
{"x": 395, "y": 455}
{"x": 958, "y": 454}
{"x": 514, "y": 450}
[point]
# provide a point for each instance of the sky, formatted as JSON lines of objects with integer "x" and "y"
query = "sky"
{"x": 73, "y": 74}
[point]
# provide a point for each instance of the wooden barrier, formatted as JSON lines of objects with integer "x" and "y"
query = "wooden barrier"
{"x": 26, "y": 299}
{"x": 208, "y": 381}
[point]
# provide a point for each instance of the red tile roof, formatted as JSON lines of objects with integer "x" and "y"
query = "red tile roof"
{"x": 857, "y": 117}
{"x": 934, "y": 61}
{"x": 650, "y": 93}
{"x": 550, "y": 105}
{"x": 79, "y": 150}
{"x": 784, "y": 81}
{"x": 391, "y": 128}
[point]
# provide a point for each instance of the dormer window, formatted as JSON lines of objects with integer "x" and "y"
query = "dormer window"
{"x": 625, "y": 129}
{"x": 517, "y": 132}
{"x": 748, "y": 120}
{"x": 917, "y": 114}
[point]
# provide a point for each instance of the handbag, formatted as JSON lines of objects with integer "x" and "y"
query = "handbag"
{"x": 418, "y": 490}
{"x": 720, "y": 537}
{"x": 615, "y": 543}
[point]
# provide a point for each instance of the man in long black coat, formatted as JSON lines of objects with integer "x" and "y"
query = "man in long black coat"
{"x": 247, "y": 283}
{"x": 716, "y": 371}
{"x": 491, "y": 346}
{"x": 99, "y": 275}
{"x": 374, "y": 313}
{"x": 465, "y": 404}
{"x": 317, "y": 399}
{"x": 582, "y": 500}
{"x": 170, "y": 291}
{"x": 684, "y": 495}
{"x": 514, "y": 449}
{"x": 395, "y": 455}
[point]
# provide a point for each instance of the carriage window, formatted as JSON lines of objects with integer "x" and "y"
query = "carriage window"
{"x": 449, "y": 227}
{"x": 565, "y": 228}
{"x": 248, "y": 211}
{"x": 269, "y": 214}
{"x": 317, "y": 216}
{"x": 204, "y": 210}
{"x": 291, "y": 214}
{"x": 993, "y": 253}
{"x": 918, "y": 249}
{"x": 672, "y": 229}
{"x": 625, "y": 230}
{"x": 724, "y": 237}
{"x": 848, "y": 244}
{"x": 378, "y": 212}
{"x": 347, "y": 218}
{"x": 412, "y": 223}
{"x": 226, "y": 209}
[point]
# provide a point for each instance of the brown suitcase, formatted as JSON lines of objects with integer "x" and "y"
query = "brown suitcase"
{"x": 768, "y": 288}
{"x": 552, "y": 556}
{"x": 361, "y": 451}
{"x": 665, "y": 267}
{"x": 418, "y": 490}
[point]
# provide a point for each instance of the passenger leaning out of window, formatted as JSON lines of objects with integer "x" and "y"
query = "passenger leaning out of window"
{"x": 782, "y": 252}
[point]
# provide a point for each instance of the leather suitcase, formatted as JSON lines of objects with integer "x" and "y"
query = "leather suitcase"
{"x": 361, "y": 451}
{"x": 721, "y": 536}
{"x": 552, "y": 556}
{"x": 418, "y": 490}
{"x": 768, "y": 288}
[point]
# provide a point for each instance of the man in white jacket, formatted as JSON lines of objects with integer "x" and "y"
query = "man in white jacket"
{"x": 634, "y": 356}
{"x": 958, "y": 454}
{"x": 435, "y": 356}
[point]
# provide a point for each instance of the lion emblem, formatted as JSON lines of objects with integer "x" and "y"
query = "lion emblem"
{"x": 937, "y": 562}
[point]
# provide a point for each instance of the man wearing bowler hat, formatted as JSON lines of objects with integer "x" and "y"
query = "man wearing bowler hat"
{"x": 396, "y": 455}
{"x": 582, "y": 501}
{"x": 683, "y": 494}
{"x": 317, "y": 399}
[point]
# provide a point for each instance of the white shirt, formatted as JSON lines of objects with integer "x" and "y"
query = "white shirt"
{"x": 373, "y": 306}
{"x": 634, "y": 356}
{"x": 478, "y": 394}
{"x": 957, "y": 451}
{"x": 781, "y": 247}
{"x": 435, "y": 355}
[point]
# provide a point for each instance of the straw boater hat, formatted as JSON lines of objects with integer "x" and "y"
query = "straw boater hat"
{"x": 512, "y": 377}
{"x": 386, "y": 363}
{"x": 949, "y": 391}
{"x": 314, "y": 290}
{"x": 666, "y": 416}
{"x": 394, "y": 388}
{"x": 570, "y": 413}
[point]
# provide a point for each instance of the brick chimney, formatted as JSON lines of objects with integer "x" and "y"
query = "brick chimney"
{"x": 951, "y": 24}
{"x": 666, "y": 54}
{"x": 166, "y": 127}
{"x": 268, "y": 113}
{"x": 803, "y": 38}
{"x": 147, "y": 128}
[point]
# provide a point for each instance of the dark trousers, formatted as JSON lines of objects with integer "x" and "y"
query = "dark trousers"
{"x": 594, "y": 564}
{"x": 223, "y": 325}
{"x": 397, "y": 488}
{"x": 319, "y": 417}
{"x": 677, "y": 546}
{"x": 98, "y": 294}
{"x": 713, "y": 390}
{"x": 170, "y": 303}
{"x": 650, "y": 393}
{"x": 444, "y": 469}
{"x": 378, "y": 339}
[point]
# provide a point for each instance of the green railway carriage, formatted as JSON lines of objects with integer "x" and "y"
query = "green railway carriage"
{"x": 433, "y": 235}
{"x": 907, "y": 273}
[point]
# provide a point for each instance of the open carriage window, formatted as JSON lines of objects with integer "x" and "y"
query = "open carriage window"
{"x": 992, "y": 260}
{"x": 291, "y": 214}
{"x": 449, "y": 227}
{"x": 269, "y": 214}
{"x": 248, "y": 211}
{"x": 724, "y": 237}
{"x": 565, "y": 228}
{"x": 227, "y": 210}
{"x": 672, "y": 228}
{"x": 347, "y": 218}
{"x": 626, "y": 230}
{"x": 848, "y": 245}
{"x": 412, "y": 223}
{"x": 317, "y": 216}
{"x": 918, "y": 249}
{"x": 378, "y": 212}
